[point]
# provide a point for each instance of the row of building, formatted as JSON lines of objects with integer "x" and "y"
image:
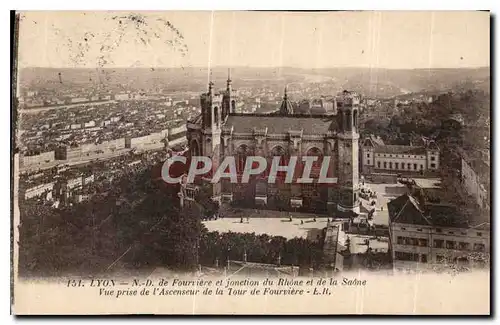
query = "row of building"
{"x": 58, "y": 188}
{"x": 149, "y": 142}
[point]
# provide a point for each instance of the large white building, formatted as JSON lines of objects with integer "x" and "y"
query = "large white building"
{"x": 378, "y": 157}
{"x": 422, "y": 235}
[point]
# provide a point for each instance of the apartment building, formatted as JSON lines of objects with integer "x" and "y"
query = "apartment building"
{"x": 423, "y": 235}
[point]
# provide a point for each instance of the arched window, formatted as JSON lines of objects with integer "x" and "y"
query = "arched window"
{"x": 355, "y": 119}
{"x": 216, "y": 116}
{"x": 225, "y": 109}
{"x": 241, "y": 156}
{"x": 279, "y": 151}
{"x": 233, "y": 106}
{"x": 194, "y": 148}
{"x": 208, "y": 117}
{"x": 316, "y": 167}
{"x": 340, "y": 118}
{"x": 348, "y": 121}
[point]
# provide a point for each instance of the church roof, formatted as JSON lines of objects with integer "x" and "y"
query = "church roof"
{"x": 276, "y": 124}
{"x": 400, "y": 149}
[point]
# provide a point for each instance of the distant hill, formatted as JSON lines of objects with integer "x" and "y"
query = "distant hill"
{"x": 370, "y": 82}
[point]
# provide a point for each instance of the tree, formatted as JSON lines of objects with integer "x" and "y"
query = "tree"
{"x": 209, "y": 207}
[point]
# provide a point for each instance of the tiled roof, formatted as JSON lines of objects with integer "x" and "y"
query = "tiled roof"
{"x": 276, "y": 124}
{"x": 407, "y": 209}
{"x": 446, "y": 216}
{"x": 483, "y": 226}
{"x": 399, "y": 149}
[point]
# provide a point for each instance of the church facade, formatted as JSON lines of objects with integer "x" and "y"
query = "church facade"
{"x": 219, "y": 132}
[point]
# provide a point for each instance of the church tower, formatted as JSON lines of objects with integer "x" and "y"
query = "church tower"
{"x": 229, "y": 100}
{"x": 212, "y": 120}
{"x": 347, "y": 151}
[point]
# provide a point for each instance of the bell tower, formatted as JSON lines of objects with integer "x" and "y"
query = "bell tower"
{"x": 348, "y": 147}
{"x": 229, "y": 100}
{"x": 212, "y": 120}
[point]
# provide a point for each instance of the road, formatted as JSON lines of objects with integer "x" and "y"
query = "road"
{"x": 43, "y": 109}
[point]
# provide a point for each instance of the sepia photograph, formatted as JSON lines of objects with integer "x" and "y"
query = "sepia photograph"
{"x": 251, "y": 162}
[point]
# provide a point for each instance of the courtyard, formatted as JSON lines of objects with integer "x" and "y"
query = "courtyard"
{"x": 389, "y": 191}
{"x": 308, "y": 228}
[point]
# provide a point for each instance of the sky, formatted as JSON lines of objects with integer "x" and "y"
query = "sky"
{"x": 383, "y": 39}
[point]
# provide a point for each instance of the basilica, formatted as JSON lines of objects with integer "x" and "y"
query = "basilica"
{"x": 219, "y": 132}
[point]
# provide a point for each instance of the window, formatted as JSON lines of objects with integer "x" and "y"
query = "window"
{"x": 409, "y": 166}
{"x": 419, "y": 229}
{"x": 402, "y": 165}
{"x": 367, "y": 155}
{"x": 433, "y": 158}
{"x": 421, "y": 167}
{"x": 378, "y": 164}
{"x": 368, "y": 161}
{"x": 450, "y": 244}
{"x": 463, "y": 233}
{"x": 479, "y": 234}
{"x": 404, "y": 256}
{"x": 390, "y": 165}
{"x": 439, "y": 230}
{"x": 397, "y": 165}
{"x": 422, "y": 242}
{"x": 439, "y": 258}
{"x": 400, "y": 240}
{"x": 479, "y": 247}
{"x": 463, "y": 246}
{"x": 433, "y": 165}
{"x": 450, "y": 232}
{"x": 390, "y": 156}
{"x": 403, "y": 228}
{"x": 423, "y": 258}
{"x": 385, "y": 164}
{"x": 438, "y": 243}
{"x": 415, "y": 166}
